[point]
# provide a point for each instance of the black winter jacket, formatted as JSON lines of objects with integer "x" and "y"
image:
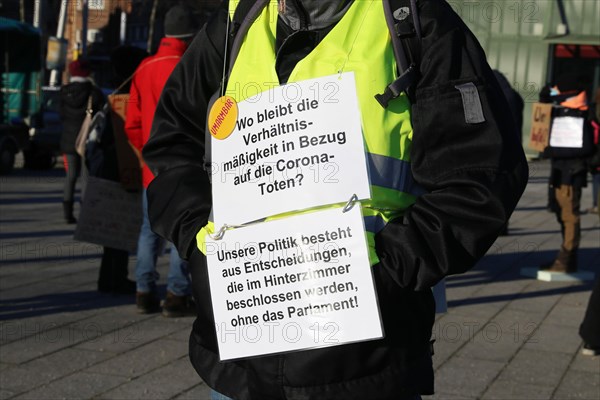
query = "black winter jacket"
{"x": 474, "y": 175}
{"x": 73, "y": 102}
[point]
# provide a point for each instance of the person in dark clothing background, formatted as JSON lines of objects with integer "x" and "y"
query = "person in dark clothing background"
{"x": 595, "y": 160}
{"x": 103, "y": 162}
{"x": 146, "y": 87}
{"x": 590, "y": 326}
{"x": 75, "y": 98}
{"x": 468, "y": 160}
{"x": 568, "y": 174}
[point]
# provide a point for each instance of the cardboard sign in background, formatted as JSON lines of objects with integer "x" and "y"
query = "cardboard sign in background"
{"x": 541, "y": 120}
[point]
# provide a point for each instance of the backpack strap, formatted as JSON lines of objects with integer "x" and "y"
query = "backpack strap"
{"x": 406, "y": 38}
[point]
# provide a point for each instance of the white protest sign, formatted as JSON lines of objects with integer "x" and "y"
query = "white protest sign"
{"x": 567, "y": 132}
{"x": 294, "y": 283}
{"x": 294, "y": 147}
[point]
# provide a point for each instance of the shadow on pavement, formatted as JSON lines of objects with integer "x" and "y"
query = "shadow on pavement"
{"x": 528, "y": 232}
{"x": 506, "y": 267}
{"x": 94, "y": 254}
{"x": 40, "y": 234}
{"x": 34, "y": 200}
{"x": 32, "y": 192}
{"x": 48, "y": 304}
{"x": 584, "y": 287}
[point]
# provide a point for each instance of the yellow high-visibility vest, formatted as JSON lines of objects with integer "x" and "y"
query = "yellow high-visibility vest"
{"x": 360, "y": 43}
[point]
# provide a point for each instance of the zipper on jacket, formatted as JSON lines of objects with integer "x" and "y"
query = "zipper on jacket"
{"x": 302, "y": 14}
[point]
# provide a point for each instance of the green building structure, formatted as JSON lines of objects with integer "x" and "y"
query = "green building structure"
{"x": 533, "y": 42}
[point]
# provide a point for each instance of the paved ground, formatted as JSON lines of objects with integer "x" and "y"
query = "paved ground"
{"x": 504, "y": 337}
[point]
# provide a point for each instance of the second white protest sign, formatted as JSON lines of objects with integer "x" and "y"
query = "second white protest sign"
{"x": 290, "y": 284}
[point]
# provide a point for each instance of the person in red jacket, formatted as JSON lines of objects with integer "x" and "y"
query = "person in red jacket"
{"x": 147, "y": 85}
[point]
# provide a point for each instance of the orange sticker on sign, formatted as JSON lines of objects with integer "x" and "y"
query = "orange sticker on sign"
{"x": 222, "y": 117}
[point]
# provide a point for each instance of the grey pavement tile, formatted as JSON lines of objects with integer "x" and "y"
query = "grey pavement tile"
{"x": 460, "y": 290}
{"x": 19, "y": 329}
{"x": 586, "y": 364}
{"x": 30, "y": 291}
{"x": 447, "y": 396}
{"x": 51, "y": 300}
{"x": 48, "y": 273}
{"x": 536, "y": 229}
{"x": 579, "y": 385}
{"x": 475, "y": 308}
{"x": 106, "y": 322}
{"x": 133, "y": 336}
{"x": 34, "y": 321}
{"x": 541, "y": 368}
{"x": 453, "y": 327}
{"x": 80, "y": 385}
{"x": 178, "y": 323}
{"x": 5, "y": 394}
{"x": 83, "y": 281}
{"x": 198, "y": 392}
{"x": 183, "y": 335}
{"x": 503, "y": 389}
{"x": 519, "y": 325}
{"x": 492, "y": 342}
{"x": 451, "y": 332}
{"x": 554, "y": 338}
{"x": 41, "y": 343}
{"x": 579, "y": 298}
{"x": 566, "y": 315}
{"x": 64, "y": 255}
{"x": 467, "y": 377}
{"x": 589, "y": 241}
{"x": 505, "y": 291}
{"x": 163, "y": 383}
{"x": 12, "y": 275}
{"x": 43, "y": 370}
{"x": 143, "y": 359}
{"x": 536, "y": 298}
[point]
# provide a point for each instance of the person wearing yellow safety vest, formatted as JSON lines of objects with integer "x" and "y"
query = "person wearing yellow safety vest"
{"x": 446, "y": 171}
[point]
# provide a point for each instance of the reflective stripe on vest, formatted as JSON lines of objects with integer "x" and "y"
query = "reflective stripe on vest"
{"x": 391, "y": 173}
{"x": 360, "y": 43}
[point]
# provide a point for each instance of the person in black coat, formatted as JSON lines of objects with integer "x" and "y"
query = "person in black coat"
{"x": 516, "y": 105}
{"x": 514, "y": 99}
{"x": 75, "y": 98}
{"x": 102, "y": 162}
{"x": 568, "y": 174}
{"x": 468, "y": 160}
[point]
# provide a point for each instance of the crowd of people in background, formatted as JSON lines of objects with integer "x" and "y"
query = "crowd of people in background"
{"x": 146, "y": 87}
{"x": 142, "y": 77}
